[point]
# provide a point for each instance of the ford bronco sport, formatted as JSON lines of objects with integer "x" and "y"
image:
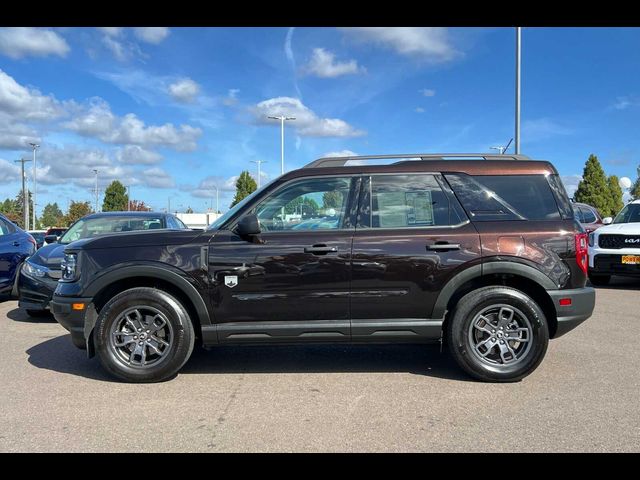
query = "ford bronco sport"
{"x": 480, "y": 252}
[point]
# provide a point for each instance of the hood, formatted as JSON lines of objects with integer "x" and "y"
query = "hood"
{"x": 49, "y": 256}
{"x": 137, "y": 239}
{"x": 620, "y": 228}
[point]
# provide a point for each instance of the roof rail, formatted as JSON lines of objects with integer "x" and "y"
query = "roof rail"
{"x": 341, "y": 161}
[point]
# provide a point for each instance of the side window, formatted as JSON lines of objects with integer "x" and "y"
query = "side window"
{"x": 578, "y": 214}
{"x": 4, "y": 228}
{"x": 171, "y": 223}
{"x": 588, "y": 215}
{"x": 406, "y": 201}
{"x": 309, "y": 204}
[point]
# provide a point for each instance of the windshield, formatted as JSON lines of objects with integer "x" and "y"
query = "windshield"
{"x": 91, "y": 227}
{"x": 629, "y": 214}
{"x": 231, "y": 212}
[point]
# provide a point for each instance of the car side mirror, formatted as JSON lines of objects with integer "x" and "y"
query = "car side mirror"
{"x": 607, "y": 220}
{"x": 51, "y": 238}
{"x": 248, "y": 225}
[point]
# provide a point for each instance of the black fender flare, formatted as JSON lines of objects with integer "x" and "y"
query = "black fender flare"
{"x": 477, "y": 271}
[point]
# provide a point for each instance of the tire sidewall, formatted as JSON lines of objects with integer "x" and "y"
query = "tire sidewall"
{"x": 470, "y": 306}
{"x": 179, "y": 350}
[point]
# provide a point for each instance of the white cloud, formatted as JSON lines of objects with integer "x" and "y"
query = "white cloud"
{"x": 627, "y": 101}
{"x": 306, "y": 122}
{"x": 18, "y": 42}
{"x": 206, "y": 187}
{"x": 154, "y": 35}
{"x": 341, "y": 153}
{"x": 98, "y": 121}
{"x": 543, "y": 128}
{"x": 9, "y": 171}
{"x": 22, "y": 103}
{"x": 135, "y": 155}
{"x": 231, "y": 98}
{"x": 419, "y": 110}
{"x": 323, "y": 65}
{"x": 111, "y": 31}
{"x": 571, "y": 183}
{"x": 427, "y": 92}
{"x": 158, "y": 178}
{"x": 120, "y": 50}
{"x": 16, "y": 136}
{"x": 184, "y": 90}
{"x": 431, "y": 44}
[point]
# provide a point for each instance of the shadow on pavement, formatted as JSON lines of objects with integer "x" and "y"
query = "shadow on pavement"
{"x": 59, "y": 354}
{"x": 20, "y": 315}
{"x": 621, "y": 283}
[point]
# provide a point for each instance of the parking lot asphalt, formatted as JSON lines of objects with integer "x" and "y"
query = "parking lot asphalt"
{"x": 583, "y": 397}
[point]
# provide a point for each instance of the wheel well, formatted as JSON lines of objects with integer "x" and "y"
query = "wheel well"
{"x": 110, "y": 291}
{"x": 531, "y": 288}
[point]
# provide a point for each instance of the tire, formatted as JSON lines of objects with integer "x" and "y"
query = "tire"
{"x": 132, "y": 346}
{"x": 492, "y": 357}
{"x": 38, "y": 313}
{"x": 599, "y": 280}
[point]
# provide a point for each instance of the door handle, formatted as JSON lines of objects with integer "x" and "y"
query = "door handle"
{"x": 442, "y": 247}
{"x": 16, "y": 244}
{"x": 320, "y": 249}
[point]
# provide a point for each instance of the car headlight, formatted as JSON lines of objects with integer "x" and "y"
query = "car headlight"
{"x": 591, "y": 237}
{"x": 69, "y": 267}
{"x": 33, "y": 270}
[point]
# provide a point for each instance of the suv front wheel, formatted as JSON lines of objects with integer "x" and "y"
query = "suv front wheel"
{"x": 143, "y": 335}
{"x": 498, "y": 334}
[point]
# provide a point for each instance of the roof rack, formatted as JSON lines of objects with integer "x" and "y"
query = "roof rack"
{"x": 341, "y": 161}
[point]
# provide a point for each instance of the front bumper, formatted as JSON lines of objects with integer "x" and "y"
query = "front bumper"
{"x": 79, "y": 323}
{"x": 583, "y": 301}
{"x": 35, "y": 293}
{"x": 611, "y": 264}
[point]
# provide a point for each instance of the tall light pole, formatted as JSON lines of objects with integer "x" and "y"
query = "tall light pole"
{"x": 96, "y": 172}
{"x": 25, "y": 195}
{"x": 259, "y": 162}
{"x": 500, "y": 149}
{"x": 518, "y": 41}
{"x": 35, "y": 186}
{"x": 282, "y": 119}
{"x": 128, "y": 198}
{"x": 217, "y": 209}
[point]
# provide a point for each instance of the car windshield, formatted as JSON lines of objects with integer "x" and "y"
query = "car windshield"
{"x": 221, "y": 220}
{"x": 91, "y": 227}
{"x": 629, "y": 214}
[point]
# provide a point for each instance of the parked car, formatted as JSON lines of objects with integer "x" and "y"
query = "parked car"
{"x": 614, "y": 249}
{"x": 15, "y": 246}
{"x": 38, "y": 236}
{"x": 483, "y": 255}
{"x": 40, "y": 273}
{"x": 588, "y": 216}
{"x": 53, "y": 232}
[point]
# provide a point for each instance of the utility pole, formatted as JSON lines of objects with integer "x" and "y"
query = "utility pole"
{"x": 35, "y": 186}
{"x": 259, "y": 162}
{"x": 25, "y": 195}
{"x": 96, "y": 172}
{"x": 128, "y": 198}
{"x": 217, "y": 209}
{"x": 282, "y": 119}
{"x": 518, "y": 42}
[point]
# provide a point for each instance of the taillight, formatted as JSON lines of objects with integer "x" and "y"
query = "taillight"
{"x": 31, "y": 239}
{"x": 582, "y": 251}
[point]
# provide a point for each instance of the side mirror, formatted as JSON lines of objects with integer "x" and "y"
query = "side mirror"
{"x": 248, "y": 225}
{"x": 51, "y": 238}
{"x": 607, "y": 220}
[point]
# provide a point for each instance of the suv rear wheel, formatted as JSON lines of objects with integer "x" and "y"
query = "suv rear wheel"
{"x": 498, "y": 334}
{"x": 143, "y": 335}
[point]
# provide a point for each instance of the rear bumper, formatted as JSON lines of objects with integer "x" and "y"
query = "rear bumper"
{"x": 583, "y": 301}
{"x": 73, "y": 320}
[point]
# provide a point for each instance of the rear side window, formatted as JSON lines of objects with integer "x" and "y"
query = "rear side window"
{"x": 588, "y": 215}
{"x": 505, "y": 197}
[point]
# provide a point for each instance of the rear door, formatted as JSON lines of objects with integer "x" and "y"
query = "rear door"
{"x": 411, "y": 237}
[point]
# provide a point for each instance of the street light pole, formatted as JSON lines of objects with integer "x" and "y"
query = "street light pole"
{"x": 259, "y": 162}
{"x": 96, "y": 172}
{"x": 518, "y": 42}
{"x": 282, "y": 119}
{"x": 128, "y": 198}
{"x": 25, "y": 195}
{"x": 35, "y": 186}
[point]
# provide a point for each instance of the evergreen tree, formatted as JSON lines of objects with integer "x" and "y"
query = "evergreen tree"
{"x": 15, "y": 209}
{"x": 77, "y": 210}
{"x": 616, "y": 196}
{"x": 593, "y": 189}
{"x": 51, "y": 216}
{"x": 189, "y": 210}
{"x": 245, "y": 185}
{"x": 332, "y": 199}
{"x": 635, "y": 188}
{"x": 115, "y": 198}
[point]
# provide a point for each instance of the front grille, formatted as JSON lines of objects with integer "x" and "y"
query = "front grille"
{"x": 619, "y": 241}
{"x": 612, "y": 264}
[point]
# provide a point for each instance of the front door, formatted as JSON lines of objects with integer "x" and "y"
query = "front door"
{"x": 291, "y": 282}
{"x": 412, "y": 236}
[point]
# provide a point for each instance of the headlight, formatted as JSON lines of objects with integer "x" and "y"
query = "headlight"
{"x": 33, "y": 270}
{"x": 591, "y": 236}
{"x": 69, "y": 266}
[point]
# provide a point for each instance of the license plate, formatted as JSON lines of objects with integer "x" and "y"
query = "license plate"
{"x": 631, "y": 259}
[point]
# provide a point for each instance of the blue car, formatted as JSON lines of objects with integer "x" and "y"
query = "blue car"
{"x": 15, "y": 246}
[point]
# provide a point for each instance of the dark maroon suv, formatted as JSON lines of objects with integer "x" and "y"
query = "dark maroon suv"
{"x": 480, "y": 252}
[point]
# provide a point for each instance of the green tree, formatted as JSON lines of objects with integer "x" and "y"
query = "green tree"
{"x": 16, "y": 210}
{"x": 332, "y": 199}
{"x": 635, "y": 188}
{"x": 616, "y": 196}
{"x": 302, "y": 205}
{"x": 245, "y": 185}
{"x": 115, "y": 197}
{"x": 593, "y": 189}
{"x": 189, "y": 210}
{"x": 9, "y": 209}
{"x": 77, "y": 210}
{"x": 51, "y": 215}
{"x": 138, "y": 206}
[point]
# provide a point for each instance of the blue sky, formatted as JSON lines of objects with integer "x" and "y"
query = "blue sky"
{"x": 174, "y": 111}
